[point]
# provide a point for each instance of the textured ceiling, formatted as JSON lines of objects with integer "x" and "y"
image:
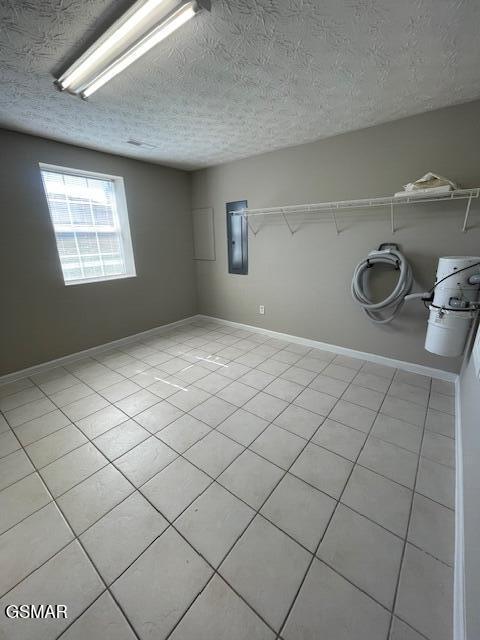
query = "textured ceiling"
{"x": 251, "y": 76}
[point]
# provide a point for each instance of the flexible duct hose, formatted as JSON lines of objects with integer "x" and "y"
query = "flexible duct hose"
{"x": 392, "y": 303}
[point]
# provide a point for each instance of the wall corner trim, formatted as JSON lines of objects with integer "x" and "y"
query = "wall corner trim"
{"x": 459, "y": 618}
{"x": 440, "y": 374}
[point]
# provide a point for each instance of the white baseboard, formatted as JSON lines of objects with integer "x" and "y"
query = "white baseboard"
{"x": 459, "y": 626}
{"x": 370, "y": 357}
{"x": 58, "y": 362}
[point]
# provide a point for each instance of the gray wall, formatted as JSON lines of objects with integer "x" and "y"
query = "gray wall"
{"x": 304, "y": 280}
{"x": 41, "y": 318}
{"x": 470, "y": 425}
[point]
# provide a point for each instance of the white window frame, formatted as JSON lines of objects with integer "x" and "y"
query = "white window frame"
{"x": 122, "y": 214}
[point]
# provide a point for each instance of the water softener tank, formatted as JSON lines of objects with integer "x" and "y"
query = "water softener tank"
{"x": 450, "y": 317}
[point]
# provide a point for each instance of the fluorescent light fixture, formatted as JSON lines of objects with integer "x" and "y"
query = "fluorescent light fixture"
{"x": 144, "y": 25}
{"x": 163, "y": 31}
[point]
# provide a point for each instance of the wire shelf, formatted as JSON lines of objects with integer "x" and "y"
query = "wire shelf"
{"x": 329, "y": 209}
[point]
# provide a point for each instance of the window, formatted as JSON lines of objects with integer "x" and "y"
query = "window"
{"x": 237, "y": 238}
{"x": 90, "y": 220}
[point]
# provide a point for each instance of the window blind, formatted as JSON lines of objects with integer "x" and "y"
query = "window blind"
{"x": 84, "y": 215}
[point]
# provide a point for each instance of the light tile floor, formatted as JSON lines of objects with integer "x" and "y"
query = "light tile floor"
{"x": 214, "y": 483}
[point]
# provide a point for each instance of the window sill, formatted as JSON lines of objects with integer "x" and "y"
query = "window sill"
{"x": 73, "y": 283}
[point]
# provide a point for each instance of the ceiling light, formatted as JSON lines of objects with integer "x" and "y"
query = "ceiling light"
{"x": 147, "y": 23}
{"x": 160, "y": 33}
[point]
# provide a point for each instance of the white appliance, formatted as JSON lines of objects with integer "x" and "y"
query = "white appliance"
{"x": 453, "y": 304}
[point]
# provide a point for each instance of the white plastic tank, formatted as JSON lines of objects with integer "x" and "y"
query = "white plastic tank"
{"x": 447, "y": 332}
{"x": 447, "y": 328}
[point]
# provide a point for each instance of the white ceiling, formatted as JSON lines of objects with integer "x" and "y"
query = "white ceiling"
{"x": 249, "y": 77}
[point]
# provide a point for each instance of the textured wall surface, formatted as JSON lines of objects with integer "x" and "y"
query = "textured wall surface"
{"x": 251, "y": 76}
{"x": 304, "y": 280}
{"x": 41, "y": 318}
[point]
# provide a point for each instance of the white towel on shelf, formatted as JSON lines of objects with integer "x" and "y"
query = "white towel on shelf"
{"x": 430, "y": 181}
{"x": 424, "y": 192}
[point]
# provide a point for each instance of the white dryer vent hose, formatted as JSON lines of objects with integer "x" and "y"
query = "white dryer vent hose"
{"x": 385, "y": 310}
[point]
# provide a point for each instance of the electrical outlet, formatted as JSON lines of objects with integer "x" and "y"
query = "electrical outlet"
{"x": 261, "y": 310}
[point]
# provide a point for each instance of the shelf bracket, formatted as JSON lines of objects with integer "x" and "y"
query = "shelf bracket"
{"x": 467, "y": 213}
{"x": 287, "y": 222}
{"x": 392, "y": 217}
{"x": 249, "y": 225}
{"x": 334, "y": 218}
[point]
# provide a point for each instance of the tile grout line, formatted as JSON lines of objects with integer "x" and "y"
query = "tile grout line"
{"x": 402, "y": 557}
{"x": 309, "y": 441}
{"x": 143, "y": 551}
{"x": 282, "y": 626}
{"x": 215, "y": 571}
{"x": 407, "y": 624}
{"x": 257, "y": 513}
{"x": 276, "y": 526}
{"x": 171, "y": 524}
{"x": 70, "y": 624}
{"x": 66, "y": 520}
{"x": 87, "y": 555}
